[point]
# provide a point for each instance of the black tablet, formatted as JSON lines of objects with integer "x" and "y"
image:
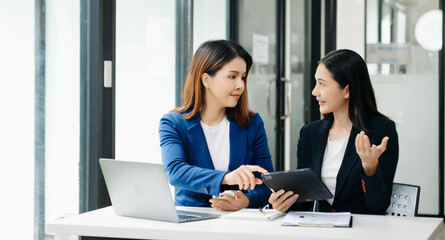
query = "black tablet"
{"x": 305, "y": 182}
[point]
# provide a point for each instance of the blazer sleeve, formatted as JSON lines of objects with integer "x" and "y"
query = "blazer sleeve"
{"x": 378, "y": 187}
{"x": 260, "y": 195}
{"x": 180, "y": 172}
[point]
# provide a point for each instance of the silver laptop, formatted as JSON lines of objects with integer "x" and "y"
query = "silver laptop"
{"x": 141, "y": 190}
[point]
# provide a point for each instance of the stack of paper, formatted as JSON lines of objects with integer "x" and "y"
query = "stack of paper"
{"x": 317, "y": 219}
{"x": 255, "y": 214}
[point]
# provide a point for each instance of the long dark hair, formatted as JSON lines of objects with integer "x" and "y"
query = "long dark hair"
{"x": 210, "y": 57}
{"x": 349, "y": 68}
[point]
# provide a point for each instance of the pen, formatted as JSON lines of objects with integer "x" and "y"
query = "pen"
{"x": 261, "y": 211}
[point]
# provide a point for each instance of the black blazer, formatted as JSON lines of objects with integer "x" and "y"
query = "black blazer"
{"x": 355, "y": 192}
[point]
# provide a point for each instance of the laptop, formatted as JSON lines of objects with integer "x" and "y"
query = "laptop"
{"x": 141, "y": 190}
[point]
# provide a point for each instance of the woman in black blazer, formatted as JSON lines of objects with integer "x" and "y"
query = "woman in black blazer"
{"x": 354, "y": 148}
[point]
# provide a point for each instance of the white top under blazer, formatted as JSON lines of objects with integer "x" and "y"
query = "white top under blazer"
{"x": 332, "y": 159}
{"x": 218, "y": 142}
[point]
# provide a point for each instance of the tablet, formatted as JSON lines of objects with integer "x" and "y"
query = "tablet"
{"x": 304, "y": 181}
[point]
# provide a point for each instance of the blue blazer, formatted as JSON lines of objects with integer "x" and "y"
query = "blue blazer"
{"x": 355, "y": 192}
{"x": 189, "y": 167}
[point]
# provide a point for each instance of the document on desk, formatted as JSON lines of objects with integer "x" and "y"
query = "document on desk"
{"x": 318, "y": 219}
{"x": 255, "y": 214}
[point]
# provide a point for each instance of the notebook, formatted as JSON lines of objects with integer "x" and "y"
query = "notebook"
{"x": 318, "y": 219}
{"x": 141, "y": 190}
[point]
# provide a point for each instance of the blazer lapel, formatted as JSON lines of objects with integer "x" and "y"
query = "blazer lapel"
{"x": 199, "y": 144}
{"x": 238, "y": 144}
{"x": 319, "y": 145}
{"x": 349, "y": 160}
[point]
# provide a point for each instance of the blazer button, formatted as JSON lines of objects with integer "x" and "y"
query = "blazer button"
{"x": 206, "y": 190}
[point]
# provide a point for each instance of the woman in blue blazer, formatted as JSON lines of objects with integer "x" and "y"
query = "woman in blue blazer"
{"x": 354, "y": 148}
{"x": 214, "y": 142}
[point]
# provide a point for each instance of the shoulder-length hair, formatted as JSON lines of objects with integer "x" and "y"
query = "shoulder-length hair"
{"x": 210, "y": 57}
{"x": 349, "y": 69}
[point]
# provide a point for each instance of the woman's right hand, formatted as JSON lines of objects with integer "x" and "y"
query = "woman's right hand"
{"x": 243, "y": 177}
{"x": 282, "y": 201}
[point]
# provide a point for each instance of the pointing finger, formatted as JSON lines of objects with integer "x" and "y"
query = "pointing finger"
{"x": 255, "y": 168}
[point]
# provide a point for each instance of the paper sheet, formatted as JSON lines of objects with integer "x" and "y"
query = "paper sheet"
{"x": 255, "y": 214}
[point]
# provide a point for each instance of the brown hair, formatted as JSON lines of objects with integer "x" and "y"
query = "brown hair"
{"x": 210, "y": 57}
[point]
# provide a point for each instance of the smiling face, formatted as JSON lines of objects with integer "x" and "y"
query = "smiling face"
{"x": 328, "y": 92}
{"x": 226, "y": 86}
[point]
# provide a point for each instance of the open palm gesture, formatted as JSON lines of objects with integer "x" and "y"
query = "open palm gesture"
{"x": 369, "y": 154}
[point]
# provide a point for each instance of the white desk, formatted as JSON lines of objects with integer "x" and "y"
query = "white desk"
{"x": 105, "y": 223}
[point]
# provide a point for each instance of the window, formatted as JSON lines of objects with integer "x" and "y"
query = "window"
{"x": 17, "y": 121}
{"x": 145, "y": 75}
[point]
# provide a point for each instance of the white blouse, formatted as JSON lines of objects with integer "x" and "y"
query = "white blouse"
{"x": 218, "y": 142}
{"x": 332, "y": 159}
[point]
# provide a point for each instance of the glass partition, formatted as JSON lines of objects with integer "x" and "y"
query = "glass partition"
{"x": 405, "y": 73}
{"x": 257, "y": 34}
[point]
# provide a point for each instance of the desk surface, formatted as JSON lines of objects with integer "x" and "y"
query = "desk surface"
{"x": 105, "y": 223}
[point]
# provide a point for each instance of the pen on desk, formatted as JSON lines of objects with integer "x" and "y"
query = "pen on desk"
{"x": 261, "y": 211}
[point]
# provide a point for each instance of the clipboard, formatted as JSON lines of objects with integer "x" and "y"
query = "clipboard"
{"x": 304, "y": 181}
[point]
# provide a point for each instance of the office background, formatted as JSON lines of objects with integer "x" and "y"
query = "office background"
{"x": 58, "y": 118}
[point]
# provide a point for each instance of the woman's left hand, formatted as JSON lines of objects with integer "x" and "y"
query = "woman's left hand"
{"x": 230, "y": 203}
{"x": 369, "y": 154}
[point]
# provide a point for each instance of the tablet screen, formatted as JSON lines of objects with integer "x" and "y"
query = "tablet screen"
{"x": 305, "y": 182}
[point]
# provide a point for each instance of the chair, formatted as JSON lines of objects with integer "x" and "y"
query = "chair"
{"x": 404, "y": 200}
